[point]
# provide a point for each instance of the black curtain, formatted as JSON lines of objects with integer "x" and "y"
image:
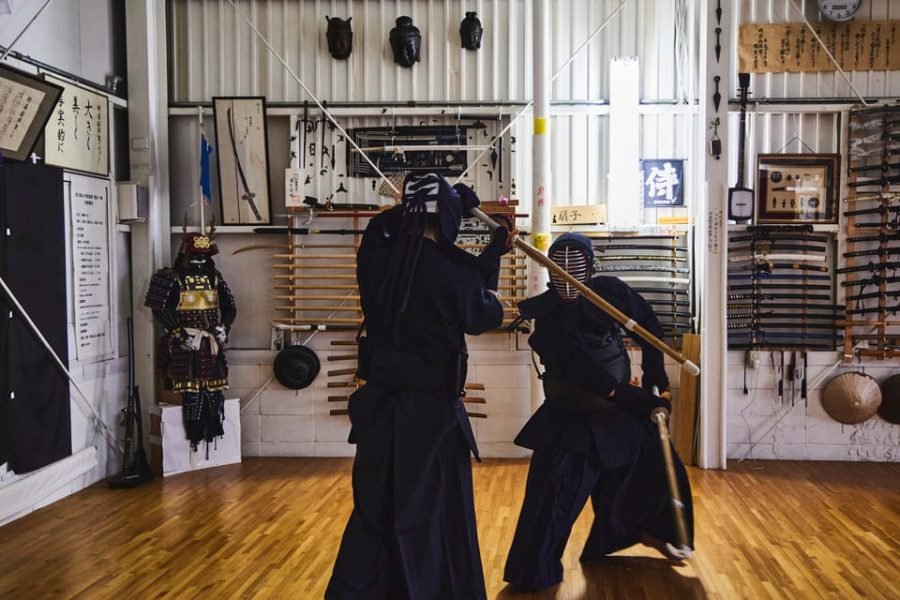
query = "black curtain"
{"x": 35, "y": 428}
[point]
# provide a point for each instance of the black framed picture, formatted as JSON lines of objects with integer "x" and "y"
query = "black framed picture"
{"x": 242, "y": 154}
{"x": 26, "y": 103}
{"x": 794, "y": 188}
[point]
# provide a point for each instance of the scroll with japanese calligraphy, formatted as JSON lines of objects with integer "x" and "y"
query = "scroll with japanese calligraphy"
{"x": 77, "y": 135}
{"x": 791, "y": 47}
{"x": 25, "y": 106}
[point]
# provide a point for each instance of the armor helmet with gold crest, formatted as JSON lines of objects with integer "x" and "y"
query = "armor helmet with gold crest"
{"x": 197, "y": 243}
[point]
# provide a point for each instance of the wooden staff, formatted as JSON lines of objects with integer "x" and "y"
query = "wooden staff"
{"x": 313, "y": 256}
{"x": 306, "y": 286}
{"x": 353, "y": 309}
{"x": 595, "y": 299}
{"x": 324, "y": 276}
{"x": 304, "y": 267}
{"x": 684, "y": 551}
{"x": 325, "y": 320}
{"x": 350, "y": 371}
{"x": 289, "y": 247}
{"x": 325, "y": 297}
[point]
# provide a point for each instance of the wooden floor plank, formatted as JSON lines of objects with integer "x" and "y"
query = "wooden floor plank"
{"x": 270, "y": 528}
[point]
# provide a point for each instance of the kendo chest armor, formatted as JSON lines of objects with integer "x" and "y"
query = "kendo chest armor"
{"x": 198, "y": 302}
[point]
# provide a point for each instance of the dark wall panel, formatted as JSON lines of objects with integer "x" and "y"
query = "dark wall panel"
{"x": 35, "y": 428}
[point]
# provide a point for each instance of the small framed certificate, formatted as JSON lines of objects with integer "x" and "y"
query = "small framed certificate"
{"x": 26, "y": 103}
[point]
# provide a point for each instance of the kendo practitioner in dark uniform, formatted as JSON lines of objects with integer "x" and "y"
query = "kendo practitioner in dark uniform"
{"x": 412, "y": 530}
{"x": 196, "y": 308}
{"x": 593, "y": 435}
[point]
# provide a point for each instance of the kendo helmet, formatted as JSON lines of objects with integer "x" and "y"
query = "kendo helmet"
{"x": 432, "y": 194}
{"x": 574, "y": 253}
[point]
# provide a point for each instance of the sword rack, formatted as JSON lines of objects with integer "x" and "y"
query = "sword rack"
{"x": 872, "y": 253}
{"x": 659, "y": 267}
{"x": 315, "y": 290}
{"x": 781, "y": 291}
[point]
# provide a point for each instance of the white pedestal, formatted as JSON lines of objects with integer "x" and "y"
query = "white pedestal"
{"x": 170, "y": 450}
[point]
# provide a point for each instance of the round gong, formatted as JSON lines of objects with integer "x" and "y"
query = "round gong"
{"x": 851, "y": 398}
{"x": 890, "y": 400}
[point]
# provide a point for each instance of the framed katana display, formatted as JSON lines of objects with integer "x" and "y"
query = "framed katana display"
{"x": 26, "y": 103}
{"x": 243, "y": 157}
{"x": 797, "y": 188}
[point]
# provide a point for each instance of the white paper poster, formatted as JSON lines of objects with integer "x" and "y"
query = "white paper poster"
{"x": 89, "y": 202}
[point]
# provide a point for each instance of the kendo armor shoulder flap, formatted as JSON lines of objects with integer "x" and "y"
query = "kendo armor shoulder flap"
{"x": 163, "y": 283}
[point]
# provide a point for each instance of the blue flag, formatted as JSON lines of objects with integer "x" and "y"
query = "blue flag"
{"x": 205, "y": 181}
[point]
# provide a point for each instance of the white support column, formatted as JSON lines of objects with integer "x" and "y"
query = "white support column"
{"x": 541, "y": 177}
{"x": 712, "y": 235}
{"x": 623, "y": 204}
{"x": 149, "y": 156}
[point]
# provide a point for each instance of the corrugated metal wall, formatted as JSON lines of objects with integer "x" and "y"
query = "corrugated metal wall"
{"x": 213, "y": 52}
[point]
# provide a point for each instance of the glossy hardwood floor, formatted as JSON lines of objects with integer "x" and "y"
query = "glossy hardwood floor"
{"x": 270, "y": 528}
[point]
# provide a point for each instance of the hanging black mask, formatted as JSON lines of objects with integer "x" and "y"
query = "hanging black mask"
{"x": 405, "y": 42}
{"x": 470, "y": 31}
{"x": 339, "y": 36}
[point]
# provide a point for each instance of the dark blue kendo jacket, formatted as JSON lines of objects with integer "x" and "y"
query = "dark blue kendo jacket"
{"x": 447, "y": 300}
{"x": 567, "y": 336}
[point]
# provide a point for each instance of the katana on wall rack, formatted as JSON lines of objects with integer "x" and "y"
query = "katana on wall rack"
{"x": 871, "y": 267}
{"x": 666, "y": 249}
{"x": 779, "y": 296}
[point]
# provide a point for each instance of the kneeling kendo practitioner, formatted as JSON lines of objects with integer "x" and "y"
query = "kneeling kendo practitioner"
{"x": 593, "y": 435}
{"x": 412, "y": 530}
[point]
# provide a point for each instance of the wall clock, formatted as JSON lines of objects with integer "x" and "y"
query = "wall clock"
{"x": 839, "y": 10}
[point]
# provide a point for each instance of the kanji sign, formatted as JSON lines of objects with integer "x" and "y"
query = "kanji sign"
{"x": 663, "y": 182}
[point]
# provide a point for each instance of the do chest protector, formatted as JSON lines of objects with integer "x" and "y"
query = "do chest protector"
{"x": 406, "y": 371}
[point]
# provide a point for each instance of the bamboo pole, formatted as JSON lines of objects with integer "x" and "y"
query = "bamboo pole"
{"x": 659, "y": 416}
{"x": 626, "y": 321}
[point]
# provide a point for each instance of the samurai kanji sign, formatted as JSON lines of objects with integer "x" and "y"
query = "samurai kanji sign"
{"x": 663, "y": 182}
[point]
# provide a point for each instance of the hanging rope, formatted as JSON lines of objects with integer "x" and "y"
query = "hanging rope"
{"x": 27, "y": 25}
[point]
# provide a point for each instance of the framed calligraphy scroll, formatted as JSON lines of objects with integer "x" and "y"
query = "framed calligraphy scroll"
{"x": 77, "y": 135}
{"x": 797, "y": 188}
{"x": 243, "y": 155}
{"x": 791, "y": 47}
{"x": 26, "y": 102}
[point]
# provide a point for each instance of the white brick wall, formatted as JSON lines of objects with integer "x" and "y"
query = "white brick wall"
{"x": 803, "y": 431}
{"x": 283, "y": 422}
